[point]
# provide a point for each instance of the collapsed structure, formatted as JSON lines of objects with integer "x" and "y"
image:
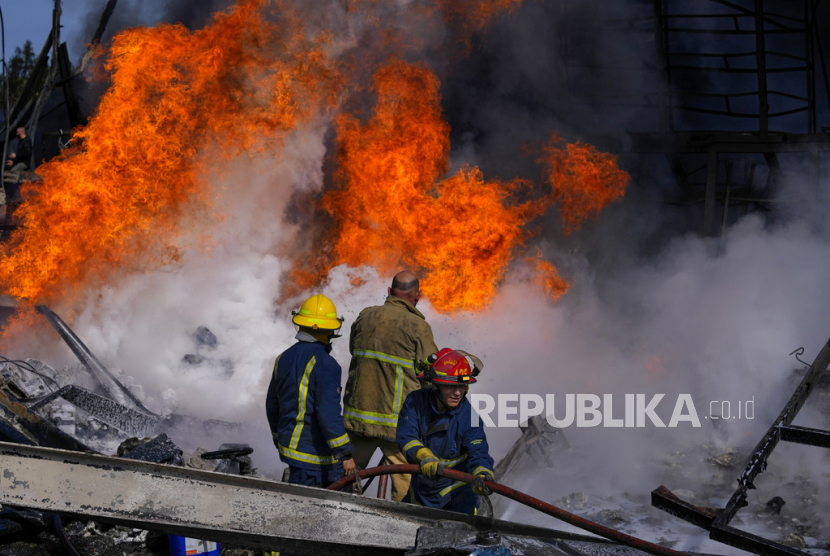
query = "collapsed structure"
{"x": 716, "y": 521}
{"x": 48, "y": 468}
{"x": 42, "y": 445}
{"x": 39, "y": 408}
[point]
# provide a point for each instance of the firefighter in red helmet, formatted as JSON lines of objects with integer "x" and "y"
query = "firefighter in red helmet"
{"x": 435, "y": 430}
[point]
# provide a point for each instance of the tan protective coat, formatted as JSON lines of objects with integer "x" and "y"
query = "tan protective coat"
{"x": 387, "y": 342}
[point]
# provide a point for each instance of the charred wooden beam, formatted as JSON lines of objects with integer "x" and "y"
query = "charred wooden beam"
{"x": 102, "y": 24}
{"x": 73, "y": 108}
{"x": 805, "y": 435}
{"x": 107, "y": 380}
{"x": 781, "y": 429}
{"x": 96, "y": 38}
{"x": 752, "y": 543}
{"x": 704, "y": 518}
{"x": 666, "y": 500}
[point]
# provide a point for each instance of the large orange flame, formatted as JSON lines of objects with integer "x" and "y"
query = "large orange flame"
{"x": 584, "y": 180}
{"x": 390, "y": 210}
{"x": 547, "y": 277}
{"x": 122, "y": 198}
{"x": 182, "y": 103}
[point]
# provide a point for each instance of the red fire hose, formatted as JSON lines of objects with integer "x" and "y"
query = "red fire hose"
{"x": 544, "y": 507}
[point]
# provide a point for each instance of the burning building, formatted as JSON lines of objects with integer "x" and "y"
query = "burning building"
{"x": 548, "y": 168}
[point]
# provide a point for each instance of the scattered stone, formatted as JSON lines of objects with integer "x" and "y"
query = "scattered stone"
{"x": 576, "y": 500}
{"x": 131, "y": 535}
{"x": 728, "y": 459}
{"x": 774, "y": 505}
{"x": 794, "y": 541}
{"x": 92, "y": 528}
{"x": 663, "y": 541}
{"x": 131, "y": 444}
{"x": 204, "y": 337}
{"x": 197, "y": 462}
{"x": 193, "y": 359}
{"x": 96, "y": 539}
{"x": 610, "y": 518}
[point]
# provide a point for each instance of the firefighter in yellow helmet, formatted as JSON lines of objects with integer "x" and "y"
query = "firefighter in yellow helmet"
{"x": 303, "y": 401}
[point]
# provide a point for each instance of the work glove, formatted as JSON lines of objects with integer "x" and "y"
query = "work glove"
{"x": 431, "y": 466}
{"x": 479, "y": 487}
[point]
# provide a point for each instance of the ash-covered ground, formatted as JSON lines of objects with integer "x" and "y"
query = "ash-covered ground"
{"x": 787, "y": 506}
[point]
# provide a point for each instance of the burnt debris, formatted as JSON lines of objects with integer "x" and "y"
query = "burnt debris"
{"x": 718, "y": 522}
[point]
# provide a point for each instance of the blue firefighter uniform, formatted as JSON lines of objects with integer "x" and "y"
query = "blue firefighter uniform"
{"x": 304, "y": 413}
{"x": 452, "y": 439}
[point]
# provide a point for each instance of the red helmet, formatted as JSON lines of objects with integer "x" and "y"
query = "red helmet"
{"x": 450, "y": 366}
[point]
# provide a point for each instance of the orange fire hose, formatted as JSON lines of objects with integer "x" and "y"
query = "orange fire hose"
{"x": 544, "y": 507}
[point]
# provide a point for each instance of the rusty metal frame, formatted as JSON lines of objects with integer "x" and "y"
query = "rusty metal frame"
{"x": 756, "y": 23}
{"x": 717, "y": 521}
{"x": 668, "y": 24}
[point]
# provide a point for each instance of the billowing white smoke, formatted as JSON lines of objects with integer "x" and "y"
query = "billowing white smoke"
{"x": 715, "y": 319}
{"x": 716, "y": 325}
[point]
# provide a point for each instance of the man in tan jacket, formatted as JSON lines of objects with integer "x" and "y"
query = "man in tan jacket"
{"x": 387, "y": 342}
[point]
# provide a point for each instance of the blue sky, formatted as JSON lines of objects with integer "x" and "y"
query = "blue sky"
{"x": 32, "y": 19}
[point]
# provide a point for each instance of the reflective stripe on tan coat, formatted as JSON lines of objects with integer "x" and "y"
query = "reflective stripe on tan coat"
{"x": 387, "y": 342}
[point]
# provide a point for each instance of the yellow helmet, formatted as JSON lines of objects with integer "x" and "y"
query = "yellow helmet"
{"x": 318, "y": 312}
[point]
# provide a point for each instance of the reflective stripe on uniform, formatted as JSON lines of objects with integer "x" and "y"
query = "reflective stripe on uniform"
{"x": 399, "y": 390}
{"x": 301, "y": 404}
{"x": 454, "y": 462}
{"x": 483, "y": 470}
{"x": 383, "y": 419}
{"x": 308, "y": 458}
{"x": 412, "y": 444}
{"x": 384, "y": 357}
{"x": 452, "y": 487}
{"x": 339, "y": 441}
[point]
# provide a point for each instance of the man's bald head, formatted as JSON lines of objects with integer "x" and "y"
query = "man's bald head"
{"x": 406, "y": 286}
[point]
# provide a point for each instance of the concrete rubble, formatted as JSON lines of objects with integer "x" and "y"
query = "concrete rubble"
{"x": 74, "y": 409}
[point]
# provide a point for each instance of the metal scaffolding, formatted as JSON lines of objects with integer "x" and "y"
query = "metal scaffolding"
{"x": 763, "y": 103}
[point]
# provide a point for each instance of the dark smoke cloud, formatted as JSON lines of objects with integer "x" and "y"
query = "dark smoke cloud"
{"x": 720, "y": 318}
{"x": 193, "y": 14}
{"x": 589, "y": 71}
